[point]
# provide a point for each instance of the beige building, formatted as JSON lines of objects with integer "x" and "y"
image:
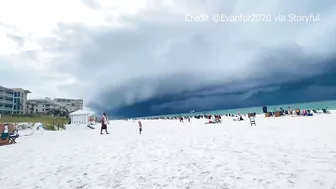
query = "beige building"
{"x": 43, "y": 106}
{"x": 70, "y": 104}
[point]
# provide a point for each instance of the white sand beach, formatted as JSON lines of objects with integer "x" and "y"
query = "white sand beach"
{"x": 284, "y": 152}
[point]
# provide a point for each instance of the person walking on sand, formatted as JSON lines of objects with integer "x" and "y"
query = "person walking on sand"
{"x": 104, "y": 122}
{"x": 140, "y": 127}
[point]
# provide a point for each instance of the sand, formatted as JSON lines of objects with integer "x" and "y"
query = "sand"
{"x": 283, "y": 152}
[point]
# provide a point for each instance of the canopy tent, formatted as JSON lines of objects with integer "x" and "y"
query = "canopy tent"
{"x": 80, "y": 117}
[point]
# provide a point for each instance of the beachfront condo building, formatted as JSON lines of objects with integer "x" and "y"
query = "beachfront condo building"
{"x": 70, "y": 104}
{"x": 43, "y": 106}
{"x": 13, "y": 100}
{"x": 6, "y": 100}
{"x": 20, "y": 98}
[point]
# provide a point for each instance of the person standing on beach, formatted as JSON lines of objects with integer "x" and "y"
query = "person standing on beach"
{"x": 181, "y": 119}
{"x": 140, "y": 127}
{"x": 104, "y": 122}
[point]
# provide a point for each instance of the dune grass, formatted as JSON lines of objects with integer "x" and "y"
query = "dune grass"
{"x": 49, "y": 122}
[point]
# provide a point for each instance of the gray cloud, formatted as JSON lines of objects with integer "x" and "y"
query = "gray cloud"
{"x": 158, "y": 53}
{"x": 92, "y": 4}
{"x": 18, "y": 39}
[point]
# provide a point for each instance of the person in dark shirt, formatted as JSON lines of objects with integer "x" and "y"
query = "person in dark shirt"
{"x": 140, "y": 127}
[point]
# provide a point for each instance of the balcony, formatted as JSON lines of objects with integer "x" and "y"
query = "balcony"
{"x": 6, "y": 94}
{"x": 3, "y": 101}
{"x": 3, "y": 108}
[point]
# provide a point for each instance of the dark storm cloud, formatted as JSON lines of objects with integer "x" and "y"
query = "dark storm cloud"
{"x": 159, "y": 63}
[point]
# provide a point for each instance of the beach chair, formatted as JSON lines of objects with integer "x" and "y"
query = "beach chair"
{"x": 8, "y": 137}
{"x": 4, "y": 136}
{"x": 4, "y": 139}
{"x": 13, "y": 136}
{"x": 277, "y": 114}
{"x": 251, "y": 116}
{"x": 325, "y": 111}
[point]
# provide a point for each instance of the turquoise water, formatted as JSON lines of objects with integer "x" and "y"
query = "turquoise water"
{"x": 331, "y": 104}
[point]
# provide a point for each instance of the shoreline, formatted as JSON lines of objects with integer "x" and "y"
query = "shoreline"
{"x": 231, "y": 111}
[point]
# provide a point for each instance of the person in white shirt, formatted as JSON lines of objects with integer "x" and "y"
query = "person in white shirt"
{"x": 104, "y": 122}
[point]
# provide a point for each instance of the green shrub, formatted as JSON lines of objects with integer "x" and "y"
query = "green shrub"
{"x": 49, "y": 122}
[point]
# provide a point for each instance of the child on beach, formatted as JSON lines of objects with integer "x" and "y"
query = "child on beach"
{"x": 140, "y": 127}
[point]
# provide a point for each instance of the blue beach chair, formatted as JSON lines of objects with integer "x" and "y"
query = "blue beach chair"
{"x": 4, "y": 136}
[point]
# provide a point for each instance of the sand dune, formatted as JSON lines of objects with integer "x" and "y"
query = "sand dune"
{"x": 281, "y": 152}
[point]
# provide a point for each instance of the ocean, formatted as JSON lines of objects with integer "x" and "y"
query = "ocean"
{"x": 330, "y": 104}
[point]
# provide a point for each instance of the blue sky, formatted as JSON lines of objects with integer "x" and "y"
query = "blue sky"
{"x": 142, "y": 58}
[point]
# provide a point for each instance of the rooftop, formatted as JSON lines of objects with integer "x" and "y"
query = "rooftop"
{"x": 15, "y": 89}
{"x": 20, "y": 89}
{"x": 47, "y": 100}
{"x": 67, "y": 99}
{"x": 81, "y": 112}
